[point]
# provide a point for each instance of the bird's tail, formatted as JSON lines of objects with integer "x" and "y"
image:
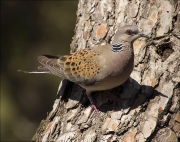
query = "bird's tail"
{"x": 40, "y": 69}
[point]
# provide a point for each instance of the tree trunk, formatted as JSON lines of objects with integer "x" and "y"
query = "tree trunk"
{"x": 151, "y": 112}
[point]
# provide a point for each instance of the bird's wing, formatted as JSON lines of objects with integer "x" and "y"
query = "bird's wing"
{"x": 81, "y": 67}
{"x": 50, "y": 62}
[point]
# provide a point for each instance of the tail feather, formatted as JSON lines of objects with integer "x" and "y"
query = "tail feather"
{"x": 50, "y": 64}
{"x": 40, "y": 69}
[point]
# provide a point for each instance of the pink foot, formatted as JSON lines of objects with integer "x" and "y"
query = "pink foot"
{"x": 93, "y": 108}
{"x": 93, "y": 105}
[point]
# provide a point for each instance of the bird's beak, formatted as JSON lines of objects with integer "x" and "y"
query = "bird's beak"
{"x": 143, "y": 35}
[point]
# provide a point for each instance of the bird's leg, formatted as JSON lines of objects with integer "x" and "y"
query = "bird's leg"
{"x": 93, "y": 104}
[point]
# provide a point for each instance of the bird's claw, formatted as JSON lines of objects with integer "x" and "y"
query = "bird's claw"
{"x": 94, "y": 108}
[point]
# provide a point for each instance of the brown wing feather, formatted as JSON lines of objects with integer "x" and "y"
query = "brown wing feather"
{"x": 80, "y": 67}
{"x": 50, "y": 62}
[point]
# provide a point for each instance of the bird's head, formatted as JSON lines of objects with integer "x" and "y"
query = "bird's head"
{"x": 128, "y": 34}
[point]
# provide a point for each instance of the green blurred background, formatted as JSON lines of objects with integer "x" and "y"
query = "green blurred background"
{"x": 29, "y": 29}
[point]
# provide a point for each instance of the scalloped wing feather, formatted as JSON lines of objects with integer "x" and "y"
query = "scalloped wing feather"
{"x": 81, "y": 67}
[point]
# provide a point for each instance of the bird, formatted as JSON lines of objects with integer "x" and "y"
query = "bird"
{"x": 102, "y": 67}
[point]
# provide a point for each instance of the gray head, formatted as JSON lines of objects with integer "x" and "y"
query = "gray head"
{"x": 128, "y": 33}
{"x": 124, "y": 35}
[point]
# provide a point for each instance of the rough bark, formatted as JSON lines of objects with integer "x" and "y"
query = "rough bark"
{"x": 152, "y": 111}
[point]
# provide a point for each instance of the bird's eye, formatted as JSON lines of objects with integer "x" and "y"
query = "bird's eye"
{"x": 128, "y": 32}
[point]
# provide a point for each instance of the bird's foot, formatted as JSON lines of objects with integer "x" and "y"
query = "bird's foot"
{"x": 93, "y": 105}
{"x": 94, "y": 108}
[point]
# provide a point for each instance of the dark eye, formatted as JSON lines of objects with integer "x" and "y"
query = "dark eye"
{"x": 128, "y": 32}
